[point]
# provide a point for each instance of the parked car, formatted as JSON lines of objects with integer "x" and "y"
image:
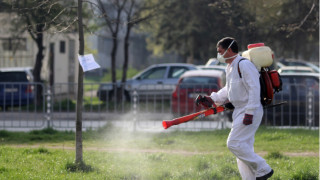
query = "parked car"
{"x": 314, "y": 67}
{"x": 301, "y": 91}
{"x": 293, "y": 62}
{"x": 155, "y": 82}
{"x": 215, "y": 62}
{"x": 213, "y": 67}
{"x": 279, "y": 65}
{"x": 16, "y": 88}
{"x": 193, "y": 83}
{"x": 292, "y": 69}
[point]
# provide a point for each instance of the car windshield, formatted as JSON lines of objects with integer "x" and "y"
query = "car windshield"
{"x": 293, "y": 63}
{"x": 176, "y": 72}
{"x": 155, "y": 73}
{"x": 17, "y": 76}
{"x": 201, "y": 82}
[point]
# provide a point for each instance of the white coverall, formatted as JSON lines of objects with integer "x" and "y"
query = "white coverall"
{"x": 244, "y": 94}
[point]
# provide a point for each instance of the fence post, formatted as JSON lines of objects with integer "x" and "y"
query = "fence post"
{"x": 49, "y": 105}
{"x": 223, "y": 120}
{"x": 135, "y": 100}
{"x": 310, "y": 107}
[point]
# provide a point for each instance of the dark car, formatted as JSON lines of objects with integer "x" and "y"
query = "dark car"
{"x": 193, "y": 83}
{"x": 16, "y": 88}
{"x": 301, "y": 91}
{"x": 155, "y": 82}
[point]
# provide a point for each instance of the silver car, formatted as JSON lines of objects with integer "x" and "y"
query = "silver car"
{"x": 155, "y": 82}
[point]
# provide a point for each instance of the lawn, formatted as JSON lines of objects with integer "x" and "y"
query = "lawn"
{"x": 117, "y": 154}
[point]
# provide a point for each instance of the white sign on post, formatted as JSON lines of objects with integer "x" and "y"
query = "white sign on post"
{"x": 88, "y": 63}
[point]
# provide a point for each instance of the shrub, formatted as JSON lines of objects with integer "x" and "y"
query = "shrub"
{"x": 76, "y": 167}
{"x": 275, "y": 155}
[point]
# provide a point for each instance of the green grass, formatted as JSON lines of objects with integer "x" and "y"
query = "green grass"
{"x": 111, "y": 153}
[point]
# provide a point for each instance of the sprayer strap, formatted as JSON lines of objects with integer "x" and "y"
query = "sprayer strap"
{"x": 239, "y": 67}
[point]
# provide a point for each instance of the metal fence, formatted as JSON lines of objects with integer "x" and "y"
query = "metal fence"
{"x": 21, "y": 108}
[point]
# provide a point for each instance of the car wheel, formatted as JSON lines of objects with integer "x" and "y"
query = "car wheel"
{"x": 110, "y": 96}
{"x": 126, "y": 95}
{"x": 4, "y": 108}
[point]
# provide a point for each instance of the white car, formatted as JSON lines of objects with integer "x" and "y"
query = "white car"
{"x": 293, "y": 69}
{"x": 294, "y": 62}
{"x": 215, "y": 62}
{"x": 219, "y": 68}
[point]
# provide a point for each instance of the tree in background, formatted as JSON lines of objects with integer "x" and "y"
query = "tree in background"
{"x": 122, "y": 15}
{"x": 298, "y": 29}
{"x": 288, "y": 26}
{"x": 136, "y": 11}
{"x": 192, "y": 28}
{"x": 111, "y": 12}
{"x": 37, "y": 17}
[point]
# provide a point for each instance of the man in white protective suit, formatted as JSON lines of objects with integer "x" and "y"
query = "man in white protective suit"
{"x": 244, "y": 94}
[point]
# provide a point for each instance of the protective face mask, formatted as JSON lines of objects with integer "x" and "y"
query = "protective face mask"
{"x": 221, "y": 58}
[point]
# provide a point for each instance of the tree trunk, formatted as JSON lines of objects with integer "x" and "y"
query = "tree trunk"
{"x": 190, "y": 59}
{"x": 79, "y": 153}
{"x": 113, "y": 57}
{"x": 116, "y": 90}
{"x": 51, "y": 65}
{"x": 126, "y": 54}
{"x": 114, "y": 31}
{"x": 38, "y": 65}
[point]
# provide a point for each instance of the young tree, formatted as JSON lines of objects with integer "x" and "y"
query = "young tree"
{"x": 79, "y": 159}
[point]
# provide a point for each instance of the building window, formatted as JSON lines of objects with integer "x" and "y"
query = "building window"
{"x": 14, "y": 44}
{"x": 62, "y": 46}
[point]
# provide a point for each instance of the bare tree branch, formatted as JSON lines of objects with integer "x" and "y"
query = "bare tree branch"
{"x": 302, "y": 22}
{"x": 104, "y": 14}
{"x": 29, "y": 29}
{"x": 67, "y": 27}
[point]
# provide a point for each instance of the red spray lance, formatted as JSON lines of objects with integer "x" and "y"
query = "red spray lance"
{"x": 213, "y": 110}
{"x": 191, "y": 117}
